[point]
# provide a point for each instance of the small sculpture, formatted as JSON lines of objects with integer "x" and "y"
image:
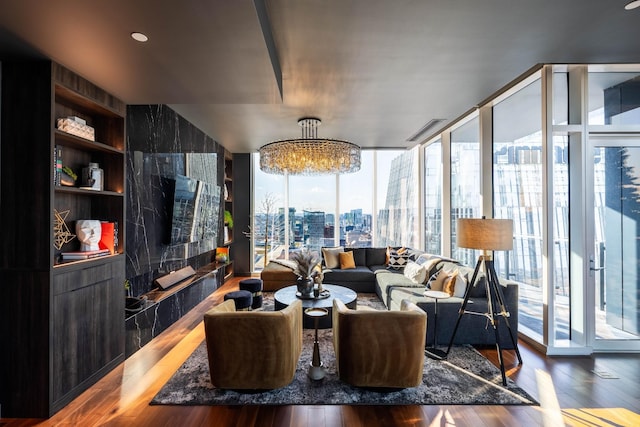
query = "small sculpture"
{"x": 61, "y": 233}
{"x": 89, "y": 232}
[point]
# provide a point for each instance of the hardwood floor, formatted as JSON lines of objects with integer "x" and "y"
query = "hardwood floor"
{"x": 122, "y": 397}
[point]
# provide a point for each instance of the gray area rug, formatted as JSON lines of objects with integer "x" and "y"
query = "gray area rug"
{"x": 465, "y": 378}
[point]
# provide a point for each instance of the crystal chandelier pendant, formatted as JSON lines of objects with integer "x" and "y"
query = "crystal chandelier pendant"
{"x": 310, "y": 155}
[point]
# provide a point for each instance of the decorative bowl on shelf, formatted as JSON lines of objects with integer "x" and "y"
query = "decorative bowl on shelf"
{"x": 67, "y": 180}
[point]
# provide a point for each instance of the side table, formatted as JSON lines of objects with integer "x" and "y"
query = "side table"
{"x": 434, "y": 352}
{"x": 316, "y": 370}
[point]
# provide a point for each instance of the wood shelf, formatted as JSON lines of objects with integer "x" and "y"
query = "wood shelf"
{"x": 67, "y": 139}
{"x": 81, "y": 263}
{"x": 78, "y": 190}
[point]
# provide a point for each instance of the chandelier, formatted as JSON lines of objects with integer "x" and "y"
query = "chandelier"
{"x": 309, "y": 155}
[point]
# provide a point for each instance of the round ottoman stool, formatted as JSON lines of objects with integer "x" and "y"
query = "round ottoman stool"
{"x": 255, "y": 287}
{"x": 243, "y": 299}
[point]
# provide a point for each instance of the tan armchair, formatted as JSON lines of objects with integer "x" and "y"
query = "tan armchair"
{"x": 253, "y": 349}
{"x": 376, "y": 348}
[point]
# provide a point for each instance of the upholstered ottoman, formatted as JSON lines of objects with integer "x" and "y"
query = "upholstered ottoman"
{"x": 277, "y": 276}
{"x": 243, "y": 299}
{"x": 255, "y": 287}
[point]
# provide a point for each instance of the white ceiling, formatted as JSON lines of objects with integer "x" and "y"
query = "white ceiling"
{"x": 374, "y": 71}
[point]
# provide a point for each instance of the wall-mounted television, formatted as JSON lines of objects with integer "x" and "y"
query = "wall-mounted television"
{"x": 194, "y": 210}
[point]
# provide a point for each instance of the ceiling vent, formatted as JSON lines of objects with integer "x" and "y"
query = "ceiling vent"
{"x": 424, "y": 129}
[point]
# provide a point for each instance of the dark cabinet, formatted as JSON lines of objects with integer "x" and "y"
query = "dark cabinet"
{"x": 88, "y": 310}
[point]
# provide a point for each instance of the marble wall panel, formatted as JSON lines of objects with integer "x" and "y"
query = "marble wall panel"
{"x": 161, "y": 144}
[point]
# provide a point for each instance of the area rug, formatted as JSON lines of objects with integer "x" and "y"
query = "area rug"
{"x": 465, "y": 378}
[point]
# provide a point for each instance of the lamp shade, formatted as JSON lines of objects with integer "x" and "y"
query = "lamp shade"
{"x": 485, "y": 234}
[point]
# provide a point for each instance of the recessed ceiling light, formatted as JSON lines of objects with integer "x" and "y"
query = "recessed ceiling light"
{"x": 632, "y": 5}
{"x": 139, "y": 37}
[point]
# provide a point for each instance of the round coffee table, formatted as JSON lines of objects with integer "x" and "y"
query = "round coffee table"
{"x": 286, "y": 296}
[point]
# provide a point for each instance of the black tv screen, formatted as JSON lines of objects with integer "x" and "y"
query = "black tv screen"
{"x": 195, "y": 210}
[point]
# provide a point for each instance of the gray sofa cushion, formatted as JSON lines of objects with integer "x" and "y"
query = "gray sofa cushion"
{"x": 336, "y": 276}
{"x": 359, "y": 255}
{"x": 376, "y": 256}
{"x": 389, "y": 279}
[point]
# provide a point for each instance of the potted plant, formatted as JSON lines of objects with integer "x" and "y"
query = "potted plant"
{"x": 228, "y": 225}
{"x": 305, "y": 268}
{"x": 228, "y": 219}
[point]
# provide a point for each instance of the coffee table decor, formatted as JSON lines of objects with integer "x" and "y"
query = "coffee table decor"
{"x": 305, "y": 268}
{"x": 316, "y": 294}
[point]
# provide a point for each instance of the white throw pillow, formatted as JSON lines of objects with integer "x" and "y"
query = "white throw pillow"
{"x": 461, "y": 287}
{"x": 331, "y": 257}
{"x": 415, "y": 272}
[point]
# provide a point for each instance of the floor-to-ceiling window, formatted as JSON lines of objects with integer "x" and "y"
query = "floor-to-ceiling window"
{"x": 397, "y": 198}
{"x": 432, "y": 197}
{"x": 518, "y": 195}
{"x": 312, "y": 211}
{"x": 465, "y": 183}
{"x": 268, "y": 232}
{"x": 560, "y": 209}
{"x": 356, "y": 204}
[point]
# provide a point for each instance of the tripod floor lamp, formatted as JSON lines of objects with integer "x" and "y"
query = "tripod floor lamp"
{"x": 487, "y": 235}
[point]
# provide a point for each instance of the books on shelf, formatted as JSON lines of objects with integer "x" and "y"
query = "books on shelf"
{"x": 108, "y": 238}
{"x": 57, "y": 165}
{"x": 85, "y": 254}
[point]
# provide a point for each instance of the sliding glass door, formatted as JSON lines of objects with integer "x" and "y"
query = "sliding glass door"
{"x": 614, "y": 264}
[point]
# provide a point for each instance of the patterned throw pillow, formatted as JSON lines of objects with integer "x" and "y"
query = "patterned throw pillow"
{"x": 391, "y": 249}
{"x": 397, "y": 260}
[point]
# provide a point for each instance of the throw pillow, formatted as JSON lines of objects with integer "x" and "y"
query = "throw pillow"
{"x": 331, "y": 257}
{"x": 346, "y": 260}
{"x": 415, "y": 272}
{"x": 397, "y": 260}
{"x": 431, "y": 267}
{"x": 437, "y": 283}
{"x": 455, "y": 285}
{"x": 391, "y": 249}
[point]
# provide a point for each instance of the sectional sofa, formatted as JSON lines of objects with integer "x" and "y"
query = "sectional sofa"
{"x": 372, "y": 273}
